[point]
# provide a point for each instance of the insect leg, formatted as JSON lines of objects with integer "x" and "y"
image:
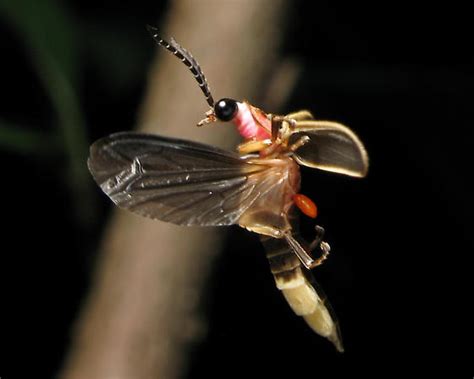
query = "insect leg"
{"x": 276, "y": 125}
{"x": 303, "y": 115}
{"x": 318, "y": 242}
{"x": 253, "y": 146}
{"x": 284, "y": 126}
{"x": 300, "y": 142}
{"x": 279, "y": 130}
{"x": 300, "y": 251}
{"x": 281, "y": 125}
{"x": 304, "y": 253}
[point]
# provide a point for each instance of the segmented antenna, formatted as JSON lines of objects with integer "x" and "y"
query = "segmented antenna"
{"x": 186, "y": 57}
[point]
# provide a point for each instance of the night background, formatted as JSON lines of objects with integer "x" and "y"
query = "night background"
{"x": 399, "y": 75}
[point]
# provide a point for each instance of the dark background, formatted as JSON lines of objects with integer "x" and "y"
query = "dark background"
{"x": 400, "y": 75}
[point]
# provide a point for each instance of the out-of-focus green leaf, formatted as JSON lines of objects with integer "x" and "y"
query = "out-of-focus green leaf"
{"x": 26, "y": 141}
{"x": 46, "y": 30}
{"x": 48, "y": 33}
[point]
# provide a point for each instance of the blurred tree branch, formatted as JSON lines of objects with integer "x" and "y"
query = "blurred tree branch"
{"x": 141, "y": 314}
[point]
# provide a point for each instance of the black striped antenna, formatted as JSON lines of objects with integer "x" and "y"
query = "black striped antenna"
{"x": 185, "y": 56}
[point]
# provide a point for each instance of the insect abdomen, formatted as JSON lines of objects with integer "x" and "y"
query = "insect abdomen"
{"x": 305, "y": 300}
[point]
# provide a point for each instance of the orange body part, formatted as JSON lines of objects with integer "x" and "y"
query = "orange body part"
{"x": 306, "y": 205}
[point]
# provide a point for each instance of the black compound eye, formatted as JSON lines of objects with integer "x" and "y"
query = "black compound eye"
{"x": 225, "y": 109}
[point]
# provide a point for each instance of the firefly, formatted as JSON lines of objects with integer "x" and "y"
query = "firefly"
{"x": 257, "y": 187}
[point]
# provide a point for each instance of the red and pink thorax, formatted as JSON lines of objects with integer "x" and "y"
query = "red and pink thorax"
{"x": 251, "y": 122}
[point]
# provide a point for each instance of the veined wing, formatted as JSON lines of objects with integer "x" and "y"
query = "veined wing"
{"x": 177, "y": 181}
{"x": 331, "y": 147}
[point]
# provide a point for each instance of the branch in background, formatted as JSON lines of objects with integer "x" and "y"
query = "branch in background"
{"x": 141, "y": 316}
{"x": 281, "y": 85}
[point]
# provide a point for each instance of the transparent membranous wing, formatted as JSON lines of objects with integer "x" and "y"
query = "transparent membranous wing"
{"x": 177, "y": 181}
{"x": 330, "y": 147}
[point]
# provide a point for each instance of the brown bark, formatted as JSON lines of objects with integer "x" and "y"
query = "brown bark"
{"x": 140, "y": 316}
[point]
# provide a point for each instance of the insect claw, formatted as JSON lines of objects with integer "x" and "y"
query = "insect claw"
{"x": 326, "y": 249}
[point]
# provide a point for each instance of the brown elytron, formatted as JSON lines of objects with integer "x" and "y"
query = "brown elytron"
{"x": 192, "y": 184}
